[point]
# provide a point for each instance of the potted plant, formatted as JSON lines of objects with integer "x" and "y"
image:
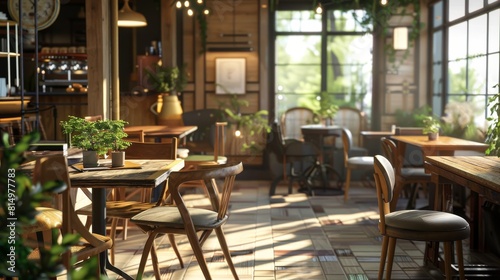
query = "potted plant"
{"x": 326, "y": 107}
{"x": 90, "y": 136}
{"x": 493, "y": 132}
{"x": 431, "y": 127}
{"x": 116, "y": 136}
{"x": 169, "y": 82}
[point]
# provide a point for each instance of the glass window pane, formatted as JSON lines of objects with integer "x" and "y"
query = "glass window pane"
{"x": 477, "y": 75}
{"x": 298, "y": 21}
{"x": 493, "y": 73}
{"x": 298, "y": 49}
{"x": 437, "y": 14}
{"x": 345, "y": 20}
{"x": 494, "y": 31}
{"x": 475, "y": 5}
{"x": 477, "y": 36}
{"x": 457, "y": 42}
{"x": 456, "y": 9}
{"x": 298, "y": 78}
{"x": 457, "y": 77}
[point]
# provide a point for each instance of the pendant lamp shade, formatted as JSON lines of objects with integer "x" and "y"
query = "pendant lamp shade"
{"x": 129, "y": 18}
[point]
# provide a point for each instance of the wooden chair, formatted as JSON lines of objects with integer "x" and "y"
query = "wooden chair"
{"x": 353, "y": 119}
{"x": 293, "y": 118}
{"x": 202, "y": 141}
{"x": 418, "y": 225}
{"x": 215, "y": 157}
{"x": 296, "y": 158}
{"x": 124, "y": 206}
{"x": 135, "y": 136}
{"x": 93, "y": 118}
{"x": 179, "y": 219}
{"x": 352, "y": 163}
{"x": 91, "y": 245}
{"x": 415, "y": 177}
{"x": 33, "y": 123}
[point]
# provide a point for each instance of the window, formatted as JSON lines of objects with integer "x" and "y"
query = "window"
{"x": 314, "y": 53}
{"x": 466, "y": 67}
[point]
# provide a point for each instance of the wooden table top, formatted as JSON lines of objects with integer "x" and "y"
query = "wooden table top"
{"x": 443, "y": 143}
{"x": 151, "y": 174}
{"x": 163, "y": 130}
{"x": 320, "y": 129}
{"x": 479, "y": 173}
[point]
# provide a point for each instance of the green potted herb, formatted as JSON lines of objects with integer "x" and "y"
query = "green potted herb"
{"x": 95, "y": 138}
{"x": 326, "y": 107}
{"x": 431, "y": 127}
{"x": 116, "y": 135}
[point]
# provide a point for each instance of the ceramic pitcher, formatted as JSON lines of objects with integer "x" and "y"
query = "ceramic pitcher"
{"x": 168, "y": 110}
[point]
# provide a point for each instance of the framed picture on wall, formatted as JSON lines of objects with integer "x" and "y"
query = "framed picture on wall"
{"x": 230, "y": 75}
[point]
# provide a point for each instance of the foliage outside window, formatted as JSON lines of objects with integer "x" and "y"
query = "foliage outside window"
{"x": 305, "y": 65}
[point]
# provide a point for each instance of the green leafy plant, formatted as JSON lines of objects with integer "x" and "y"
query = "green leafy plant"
{"x": 116, "y": 134}
{"x": 20, "y": 197}
{"x": 493, "y": 132}
{"x": 431, "y": 125}
{"x": 100, "y": 136}
{"x": 167, "y": 79}
{"x": 251, "y": 126}
{"x": 412, "y": 118}
{"x": 326, "y": 107}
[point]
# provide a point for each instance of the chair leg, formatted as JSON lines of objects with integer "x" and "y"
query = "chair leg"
{"x": 383, "y": 257}
{"x": 390, "y": 257}
{"x": 460, "y": 259}
{"x": 154, "y": 260}
{"x": 198, "y": 252}
{"x": 112, "y": 234}
{"x": 225, "y": 250}
{"x": 145, "y": 254}
{"x": 447, "y": 259}
{"x": 171, "y": 238}
{"x": 347, "y": 184}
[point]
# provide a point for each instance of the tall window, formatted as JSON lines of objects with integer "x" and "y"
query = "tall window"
{"x": 328, "y": 52}
{"x": 466, "y": 65}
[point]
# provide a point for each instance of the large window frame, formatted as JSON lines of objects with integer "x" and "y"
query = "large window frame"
{"x": 283, "y": 99}
{"x": 465, "y": 57}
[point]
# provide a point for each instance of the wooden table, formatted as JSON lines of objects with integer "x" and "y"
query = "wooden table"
{"x": 151, "y": 174}
{"x": 444, "y": 146}
{"x": 371, "y": 140}
{"x": 480, "y": 174}
{"x": 162, "y": 131}
{"x": 316, "y": 133}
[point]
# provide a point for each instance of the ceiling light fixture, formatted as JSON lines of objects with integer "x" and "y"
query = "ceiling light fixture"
{"x": 319, "y": 9}
{"x": 130, "y": 18}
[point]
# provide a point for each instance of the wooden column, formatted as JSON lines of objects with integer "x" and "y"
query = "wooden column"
{"x": 98, "y": 57}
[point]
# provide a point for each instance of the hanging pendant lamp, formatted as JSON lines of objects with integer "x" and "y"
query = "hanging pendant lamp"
{"x": 130, "y": 18}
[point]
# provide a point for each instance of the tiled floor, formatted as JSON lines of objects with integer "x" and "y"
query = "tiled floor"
{"x": 291, "y": 237}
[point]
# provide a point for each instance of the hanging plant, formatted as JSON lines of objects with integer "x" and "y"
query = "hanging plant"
{"x": 198, "y": 9}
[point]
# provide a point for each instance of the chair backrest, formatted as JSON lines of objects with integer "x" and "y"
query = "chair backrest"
{"x": 384, "y": 183}
{"x": 346, "y": 143}
{"x": 151, "y": 150}
{"x": 205, "y": 120}
{"x": 275, "y": 141}
{"x": 293, "y": 118}
{"x": 135, "y": 135}
{"x": 207, "y": 174}
{"x": 413, "y": 155}
{"x": 93, "y": 118}
{"x": 353, "y": 119}
{"x": 55, "y": 168}
{"x": 389, "y": 150}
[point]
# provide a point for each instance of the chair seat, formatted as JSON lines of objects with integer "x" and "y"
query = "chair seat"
{"x": 429, "y": 225}
{"x": 46, "y": 219}
{"x": 360, "y": 162}
{"x": 119, "y": 209}
{"x": 205, "y": 158}
{"x": 169, "y": 216}
{"x": 415, "y": 173}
